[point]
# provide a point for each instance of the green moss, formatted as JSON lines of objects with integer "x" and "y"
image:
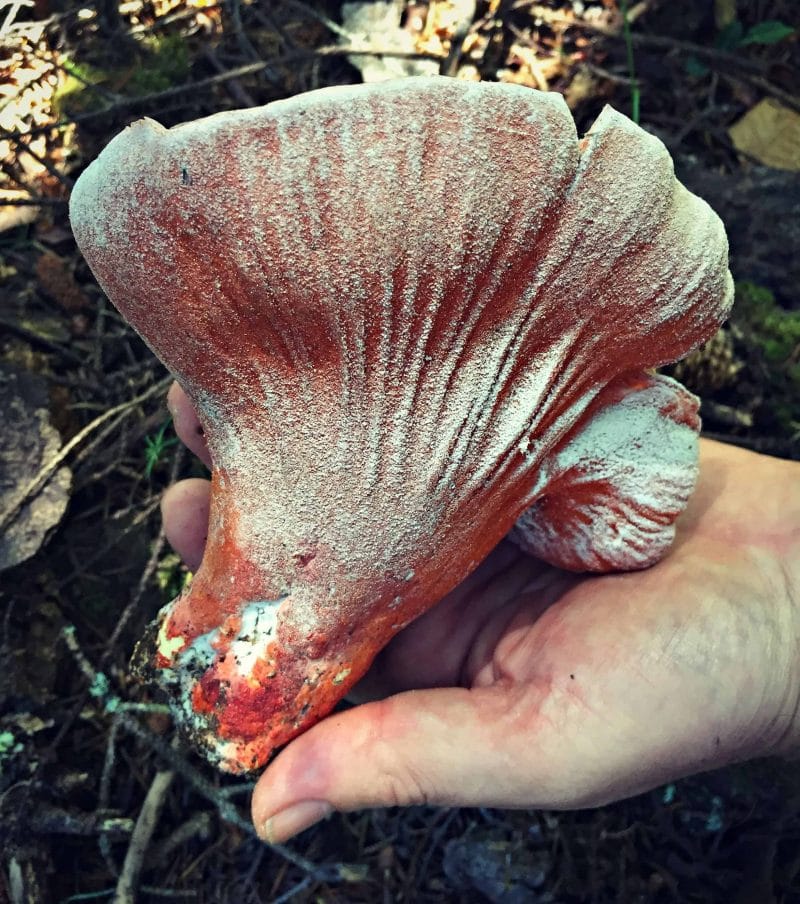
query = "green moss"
{"x": 9, "y": 745}
{"x": 774, "y": 335}
{"x": 164, "y": 64}
{"x": 158, "y": 63}
{"x": 172, "y": 578}
{"x": 7, "y": 740}
{"x": 787, "y": 415}
{"x": 775, "y": 330}
{"x": 75, "y": 94}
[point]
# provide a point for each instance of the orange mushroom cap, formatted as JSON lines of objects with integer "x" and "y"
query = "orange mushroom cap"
{"x": 411, "y": 315}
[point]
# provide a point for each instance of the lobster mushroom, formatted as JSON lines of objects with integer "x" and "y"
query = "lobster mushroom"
{"x": 412, "y": 316}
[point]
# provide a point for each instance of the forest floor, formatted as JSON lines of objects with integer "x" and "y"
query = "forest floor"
{"x": 86, "y": 447}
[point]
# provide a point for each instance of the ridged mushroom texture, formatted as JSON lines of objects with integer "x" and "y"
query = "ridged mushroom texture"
{"x": 413, "y": 317}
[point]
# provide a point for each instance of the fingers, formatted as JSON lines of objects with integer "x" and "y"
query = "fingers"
{"x": 185, "y": 505}
{"x": 187, "y": 424}
{"x": 184, "y": 508}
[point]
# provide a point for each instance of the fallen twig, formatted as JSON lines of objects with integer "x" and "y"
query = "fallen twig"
{"x": 449, "y": 66}
{"x": 42, "y": 161}
{"x": 128, "y": 881}
{"x": 41, "y": 341}
{"x": 196, "y": 826}
{"x": 32, "y": 202}
{"x": 234, "y": 86}
{"x": 734, "y": 64}
{"x": 306, "y": 10}
{"x": 147, "y": 573}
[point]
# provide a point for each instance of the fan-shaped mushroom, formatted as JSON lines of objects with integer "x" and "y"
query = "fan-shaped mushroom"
{"x": 410, "y": 316}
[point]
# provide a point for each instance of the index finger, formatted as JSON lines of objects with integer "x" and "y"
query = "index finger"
{"x": 187, "y": 424}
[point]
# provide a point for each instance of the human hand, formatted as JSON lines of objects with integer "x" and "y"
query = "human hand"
{"x": 531, "y": 687}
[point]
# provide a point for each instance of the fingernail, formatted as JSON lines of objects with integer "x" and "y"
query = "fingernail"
{"x": 295, "y": 819}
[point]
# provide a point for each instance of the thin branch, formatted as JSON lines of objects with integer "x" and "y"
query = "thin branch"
{"x": 332, "y": 26}
{"x": 293, "y": 891}
{"x": 140, "y": 517}
{"x": 128, "y": 881}
{"x": 449, "y": 66}
{"x": 48, "y": 819}
{"x": 736, "y": 65}
{"x": 41, "y": 341}
{"x": 147, "y": 573}
{"x": 198, "y": 825}
{"x": 172, "y": 18}
{"x": 234, "y": 87}
{"x": 42, "y": 161}
{"x": 32, "y": 202}
{"x": 100, "y": 689}
{"x": 132, "y": 104}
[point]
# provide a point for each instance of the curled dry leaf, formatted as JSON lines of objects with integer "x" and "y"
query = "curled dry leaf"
{"x": 27, "y": 442}
{"x": 410, "y": 315}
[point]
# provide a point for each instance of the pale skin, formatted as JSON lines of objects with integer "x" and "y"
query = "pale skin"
{"x": 530, "y": 687}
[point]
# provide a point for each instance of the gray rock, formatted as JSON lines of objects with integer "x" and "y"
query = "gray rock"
{"x": 503, "y": 872}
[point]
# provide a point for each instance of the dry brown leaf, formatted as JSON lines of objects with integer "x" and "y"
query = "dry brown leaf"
{"x": 770, "y": 133}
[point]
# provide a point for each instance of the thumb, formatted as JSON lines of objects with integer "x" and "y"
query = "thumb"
{"x": 537, "y": 744}
{"x": 422, "y": 746}
{"x": 486, "y": 746}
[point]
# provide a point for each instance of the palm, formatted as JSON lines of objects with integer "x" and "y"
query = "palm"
{"x": 648, "y": 672}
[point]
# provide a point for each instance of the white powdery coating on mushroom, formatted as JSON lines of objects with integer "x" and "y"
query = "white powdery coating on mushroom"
{"x": 191, "y": 663}
{"x": 243, "y": 653}
{"x": 639, "y": 462}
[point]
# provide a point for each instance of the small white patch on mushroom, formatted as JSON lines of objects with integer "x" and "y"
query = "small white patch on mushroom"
{"x": 169, "y": 646}
{"x": 259, "y": 624}
{"x": 339, "y": 677}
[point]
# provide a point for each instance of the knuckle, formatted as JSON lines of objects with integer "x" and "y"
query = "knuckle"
{"x": 399, "y": 786}
{"x": 400, "y": 782}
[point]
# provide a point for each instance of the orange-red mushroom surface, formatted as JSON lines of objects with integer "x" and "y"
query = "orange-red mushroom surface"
{"x": 412, "y": 316}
